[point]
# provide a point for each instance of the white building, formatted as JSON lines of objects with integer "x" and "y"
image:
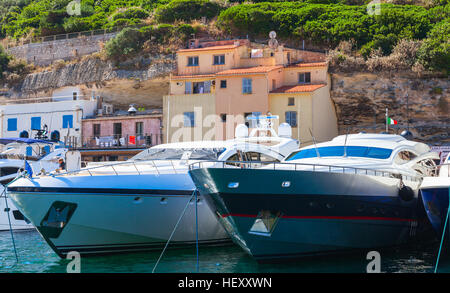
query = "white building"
{"x": 61, "y": 118}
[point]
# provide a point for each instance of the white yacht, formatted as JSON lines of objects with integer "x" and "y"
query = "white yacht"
{"x": 135, "y": 205}
{"x": 41, "y": 155}
{"x": 435, "y": 195}
{"x": 358, "y": 191}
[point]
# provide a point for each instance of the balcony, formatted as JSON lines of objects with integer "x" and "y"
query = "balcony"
{"x": 121, "y": 141}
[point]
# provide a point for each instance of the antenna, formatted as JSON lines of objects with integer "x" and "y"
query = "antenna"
{"x": 315, "y": 144}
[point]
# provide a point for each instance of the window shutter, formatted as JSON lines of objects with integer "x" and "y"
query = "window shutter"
{"x": 188, "y": 87}
{"x": 207, "y": 86}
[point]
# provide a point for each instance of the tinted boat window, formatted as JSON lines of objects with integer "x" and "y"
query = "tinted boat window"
{"x": 178, "y": 154}
{"x": 338, "y": 151}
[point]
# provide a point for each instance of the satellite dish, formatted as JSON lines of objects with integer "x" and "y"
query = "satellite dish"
{"x": 272, "y": 35}
{"x": 273, "y": 43}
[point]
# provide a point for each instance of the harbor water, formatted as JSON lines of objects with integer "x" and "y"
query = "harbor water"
{"x": 35, "y": 256}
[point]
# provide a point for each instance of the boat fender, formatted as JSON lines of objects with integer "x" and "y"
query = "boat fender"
{"x": 406, "y": 193}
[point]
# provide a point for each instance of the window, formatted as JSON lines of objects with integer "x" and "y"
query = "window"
{"x": 193, "y": 61}
{"x": 291, "y": 102}
{"x": 202, "y": 87}
{"x": 304, "y": 77}
{"x": 188, "y": 88}
{"x": 246, "y": 115}
{"x": 96, "y": 129}
{"x": 246, "y": 85}
{"x": 67, "y": 121}
{"x": 338, "y": 151}
{"x": 35, "y": 123}
{"x": 274, "y": 84}
{"x": 189, "y": 119}
{"x": 117, "y": 129}
{"x": 219, "y": 59}
{"x": 74, "y": 96}
{"x": 223, "y": 84}
{"x": 291, "y": 118}
{"x": 404, "y": 157}
{"x": 139, "y": 128}
{"x": 12, "y": 124}
{"x": 223, "y": 117}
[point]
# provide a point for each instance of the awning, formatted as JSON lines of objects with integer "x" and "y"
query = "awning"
{"x": 23, "y": 140}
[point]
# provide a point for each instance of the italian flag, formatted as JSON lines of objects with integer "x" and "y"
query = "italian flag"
{"x": 391, "y": 121}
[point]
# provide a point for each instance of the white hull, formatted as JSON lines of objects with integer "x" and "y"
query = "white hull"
{"x": 15, "y": 224}
{"x": 114, "y": 218}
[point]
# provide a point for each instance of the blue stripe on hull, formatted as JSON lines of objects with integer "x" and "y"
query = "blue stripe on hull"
{"x": 435, "y": 201}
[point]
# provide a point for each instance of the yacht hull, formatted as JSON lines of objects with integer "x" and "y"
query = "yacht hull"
{"x": 435, "y": 201}
{"x": 313, "y": 213}
{"x": 76, "y": 214}
{"x": 18, "y": 222}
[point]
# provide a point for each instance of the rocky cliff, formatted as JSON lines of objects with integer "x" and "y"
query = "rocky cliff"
{"x": 361, "y": 100}
{"x": 142, "y": 81}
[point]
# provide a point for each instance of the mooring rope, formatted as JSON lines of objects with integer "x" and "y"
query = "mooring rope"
{"x": 443, "y": 235}
{"x": 173, "y": 231}
{"x": 196, "y": 228}
{"x": 9, "y": 218}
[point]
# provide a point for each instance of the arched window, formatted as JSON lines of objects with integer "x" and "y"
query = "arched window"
{"x": 55, "y": 136}
{"x": 404, "y": 157}
{"x": 24, "y": 134}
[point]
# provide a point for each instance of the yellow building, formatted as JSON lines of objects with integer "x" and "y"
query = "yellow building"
{"x": 217, "y": 84}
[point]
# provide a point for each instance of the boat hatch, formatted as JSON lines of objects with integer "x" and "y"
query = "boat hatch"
{"x": 56, "y": 218}
{"x": 265, "y": 223}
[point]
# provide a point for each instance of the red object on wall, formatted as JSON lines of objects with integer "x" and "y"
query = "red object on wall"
{"x": 132, "y": 139}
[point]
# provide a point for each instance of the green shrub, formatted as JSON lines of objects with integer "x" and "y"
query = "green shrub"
{"x": 187, "y": 10}
{"x": 184, "y": 31}
{"x": 4, "y": 61}
{"x": 132, "y": 13}
{"x": 75, "y": 24}
{"x": 125, "y": 44}
{"x": 163, "y": 32}
{"x": 434, "y": 54}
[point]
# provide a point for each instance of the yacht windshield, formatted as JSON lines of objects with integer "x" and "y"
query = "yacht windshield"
{"x": 179, "y": 154}
{"x": 338, "y": 151}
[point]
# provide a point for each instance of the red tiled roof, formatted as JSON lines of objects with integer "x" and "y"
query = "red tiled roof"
{"x": 250, "y": 70}
{"x": 223, "y": 47}
{"x": 192, "y": 76}
{"x": 311, "y": 64}
{"x": 303, "y": 88}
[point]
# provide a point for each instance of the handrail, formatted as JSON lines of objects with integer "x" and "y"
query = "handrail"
{"x": 331, "y": 168}
{"x": 150, "y": 163}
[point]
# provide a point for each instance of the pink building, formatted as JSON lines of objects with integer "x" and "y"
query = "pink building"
{"x": 120, "y": 136}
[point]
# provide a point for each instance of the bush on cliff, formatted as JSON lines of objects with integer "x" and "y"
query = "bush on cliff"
{"x": 434, "y": 53}
{"x": 126, "y": 44}
{"x": 187, "y": 10}
{"x": 4, "y": 61}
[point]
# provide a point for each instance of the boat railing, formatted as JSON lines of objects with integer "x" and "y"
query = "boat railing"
{"x": 114, "y": 168}
{"x": 440, "y": 169}
{"x": 301, "y": 167}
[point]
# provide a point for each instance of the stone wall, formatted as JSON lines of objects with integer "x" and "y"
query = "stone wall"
{"x": 361, "y": 100}
{"x": 45, "y": 53}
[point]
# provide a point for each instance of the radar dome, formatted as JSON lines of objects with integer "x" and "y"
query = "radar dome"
{"x": 284, "y": 130}
{"x": 241, "y": 131}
